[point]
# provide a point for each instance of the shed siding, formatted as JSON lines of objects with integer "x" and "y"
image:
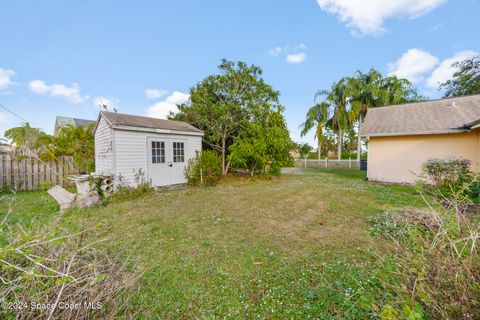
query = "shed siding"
{"x": 131, "y": 151}
{"x": 103, "y": 148}
{"x": 400, "y": 159}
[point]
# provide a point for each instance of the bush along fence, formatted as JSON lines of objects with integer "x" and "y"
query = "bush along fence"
{"x": 327, "y": 163}
{"x": 29, "y": 173}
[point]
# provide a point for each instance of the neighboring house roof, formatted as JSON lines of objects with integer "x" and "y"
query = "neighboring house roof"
{"x": 126, "y": 120}
{"x": 61, "y": 122}
{"x": 450, "y": 115}
{"x": 5, "y": 148}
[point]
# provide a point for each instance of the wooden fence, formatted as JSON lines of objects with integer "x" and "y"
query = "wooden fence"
{"x": 327, "y": 163}
{"x": 33, "y": 174}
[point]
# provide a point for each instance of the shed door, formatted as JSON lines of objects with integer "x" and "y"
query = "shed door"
{"x": 178, "y": 163}
{"x": 158, "y": 167}
{"x": 167, "y": 161}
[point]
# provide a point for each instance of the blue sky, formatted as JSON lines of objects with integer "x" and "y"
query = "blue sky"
{"x": 64, "y": 57}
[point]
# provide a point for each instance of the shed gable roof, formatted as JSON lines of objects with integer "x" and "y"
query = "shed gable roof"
{"x": 449, "y": 115}
{"x": 127, "y": 120}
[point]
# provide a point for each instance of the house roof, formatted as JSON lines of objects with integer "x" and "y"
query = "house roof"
{"x": 127, "y": 120}
{"x": 450, "y": 115}
{"x": 63, "y": 121}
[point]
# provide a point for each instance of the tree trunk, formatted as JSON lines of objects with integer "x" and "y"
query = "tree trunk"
{"x": 223, "y": 156}
{"x": 252, "y": 169}
{"x": 227, "y": 167}
{"x": 340, "y": 143}
{"x": 359, "y": 139}
{"x": 319, "y": 151}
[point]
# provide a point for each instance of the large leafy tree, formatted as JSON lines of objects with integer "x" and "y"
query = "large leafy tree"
{"x": 225, "y": 105}
{"x": 466, "y": 80}
{"x": 265, "y": 143}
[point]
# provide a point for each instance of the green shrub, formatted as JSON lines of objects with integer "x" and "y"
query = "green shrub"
{"x": 96, "y": 185}
{"x": 449, "y": 178}
{"x": 204, "y": 170}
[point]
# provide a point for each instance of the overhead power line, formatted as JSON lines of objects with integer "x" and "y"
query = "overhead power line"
{"x": 10, "y": 111}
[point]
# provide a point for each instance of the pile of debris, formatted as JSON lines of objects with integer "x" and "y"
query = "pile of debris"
{"x": 85, "y": 196}
{"x": 67, "y": 199}
{"x": 417, "y": 217}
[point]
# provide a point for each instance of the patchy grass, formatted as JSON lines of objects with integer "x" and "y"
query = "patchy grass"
{"x": 291, "y": 247}
{"x": 28, "y": 207}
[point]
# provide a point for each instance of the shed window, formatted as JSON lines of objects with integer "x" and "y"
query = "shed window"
{"x": 178, "y": 152}
{"x": 158, "y": 152}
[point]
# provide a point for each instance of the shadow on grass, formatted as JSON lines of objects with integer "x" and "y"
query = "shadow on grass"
{"x": 340, "y": 172}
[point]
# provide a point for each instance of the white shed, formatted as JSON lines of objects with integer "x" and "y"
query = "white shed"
{"x": 124, "y": 144}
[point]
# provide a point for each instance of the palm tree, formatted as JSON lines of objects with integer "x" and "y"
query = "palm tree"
{"x": 348, "y": 101}
{"x": 365, "y": 90}
{"x": 340, "y": 120}
{"x": 26, "y": 136}
{"x": 332, "y": 113}
{"x": 371, "y": 90}
{"x": 317, "y": 116}
{"x": 400, "y": 91}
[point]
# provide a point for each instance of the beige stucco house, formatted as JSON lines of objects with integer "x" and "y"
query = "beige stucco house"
{"x": 402, "y": 138}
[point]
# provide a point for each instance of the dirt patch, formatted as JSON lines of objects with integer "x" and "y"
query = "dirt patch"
{"x": 294, "y": 226}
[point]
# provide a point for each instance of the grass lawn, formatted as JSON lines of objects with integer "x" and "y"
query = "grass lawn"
{"x": 290, "y": 247}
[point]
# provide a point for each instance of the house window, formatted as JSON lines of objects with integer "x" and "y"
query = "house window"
{"x": 158, "y": 152}
{"x": 178, "y": 152}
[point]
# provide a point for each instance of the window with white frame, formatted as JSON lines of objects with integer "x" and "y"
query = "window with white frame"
{"x": 158, "y": 152}
{"x": 178, "y": 152}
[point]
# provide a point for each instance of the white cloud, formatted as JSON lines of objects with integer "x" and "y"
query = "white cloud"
{"x": 295, "y": 54}
{"x": 72, "y": 93}
{"x": 275, "y": 51}
{"x": 4, "y": 119}
{"x": 109, "y": 101}
{"x": 161, "y": 109}
{"x": 154, "y": 93}
{"x": 445, "y": 70}
{"x": 5, "y": 78}
{"x": 413, "y": 64}
{"x": 366, "y": 17}
{"x": 39, "y": 87}
{"x": 436, "y": 27}
{"x": 296, "y": 57}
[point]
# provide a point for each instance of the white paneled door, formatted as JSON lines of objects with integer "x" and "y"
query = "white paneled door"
{"x": 166, "y": 161}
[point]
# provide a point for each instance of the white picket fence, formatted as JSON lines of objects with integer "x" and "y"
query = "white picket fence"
{"x": 327, "y": 163}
